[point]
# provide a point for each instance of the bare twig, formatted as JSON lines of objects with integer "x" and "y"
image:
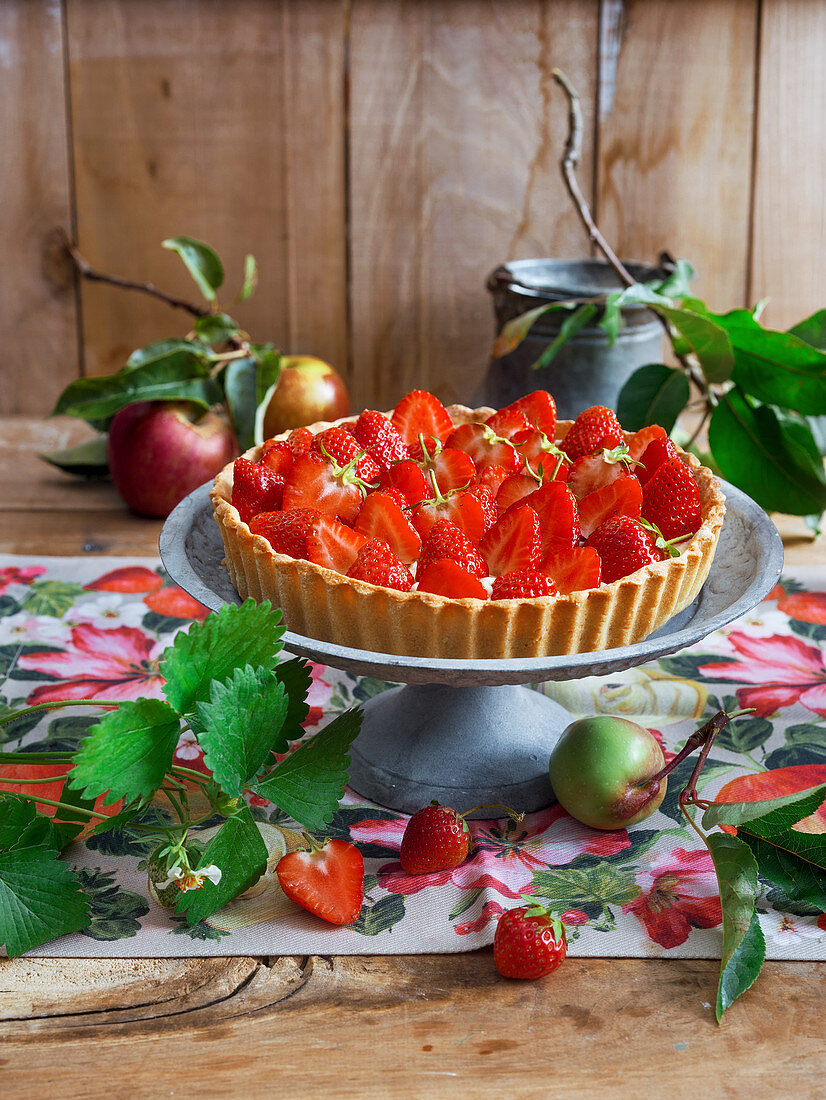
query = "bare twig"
{"x": 88, "y": 272}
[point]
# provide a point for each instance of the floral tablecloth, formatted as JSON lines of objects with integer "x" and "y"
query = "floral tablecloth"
{"x": 86, "y": 627}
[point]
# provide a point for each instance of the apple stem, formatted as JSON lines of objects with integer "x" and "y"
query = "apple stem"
{"x": 704, "y": 736}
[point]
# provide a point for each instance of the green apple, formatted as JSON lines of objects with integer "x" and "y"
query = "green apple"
{"x": 601, "y": 770}
{"x": 308, "y": 390}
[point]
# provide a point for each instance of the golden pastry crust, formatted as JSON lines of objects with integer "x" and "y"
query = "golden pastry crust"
{"x": 320, "y": 603}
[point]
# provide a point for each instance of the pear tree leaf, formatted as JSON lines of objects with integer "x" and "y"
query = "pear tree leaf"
{"x": 212, "y": 650}
{"x": 128, "y": 752}
{"x": 248, "y": 385}
{"x": 794, "y": 861}
{"x": 86, "y": 459}
{"x": 567, "y": 330}
{"x": 215, "y": 328}
{"x": 309, "y": 783}
{"x": 709, "y": 342}
{"x": 201, "y": 261}
{"x": 812, "y": 331}
{"x": 160, "y": 349}
{"x": 775, "y": 814}
{"x": 40, "y": 898}
{"x": 744, "y": 947}
{"x": 758, "y": 453}
{"x": 654, "y": 394}
{"x": 241, "y": 725}
{"x": 240, "y": 852}
{"x": 678, "y": 283}
{"x": 250, "y": 278}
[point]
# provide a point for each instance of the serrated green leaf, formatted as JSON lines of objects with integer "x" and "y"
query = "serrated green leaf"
{"x": 215, "y": 328}
{"x": 567, "y": 330}
{"x": 241, "y": 725}
{"x": 16, "y": 815}
{"x": 751, "y": 447}
{"x": 176, "y": 376}
{"x": 654, "y": 394}
{"x": 212, "y": 650}
{"x": 709, "y": 342}
{"x": 743, "y": 945}
{"x": 296, "y": 676}
{"x": 812, "y": 331}
{"x": 774, "y": 814}
{"x": 309, "y": 784}
{"x": 239, "y": 850}
{"x": 128, "y": 752}
{"x": 53, "y": 598}
{"x": 87, "y": 459}
{"x": 40, "y": 899}
{"x": 201, "y": 261}
{"x": 250, "y": 278}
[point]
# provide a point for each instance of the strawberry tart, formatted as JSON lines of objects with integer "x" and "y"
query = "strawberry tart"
{"x": 462, "y": 533}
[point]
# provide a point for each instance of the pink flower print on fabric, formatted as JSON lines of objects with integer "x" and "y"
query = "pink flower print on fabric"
{"x": 14, "y": 574}
{"x": 786, "y": 670}
{"x": 679, "y": 892}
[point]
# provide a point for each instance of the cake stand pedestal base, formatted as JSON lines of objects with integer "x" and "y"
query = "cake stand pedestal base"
{"x": 463, "y": 746}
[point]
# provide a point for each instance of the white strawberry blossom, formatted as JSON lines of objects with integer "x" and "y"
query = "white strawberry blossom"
{"x": 191, "y": 880}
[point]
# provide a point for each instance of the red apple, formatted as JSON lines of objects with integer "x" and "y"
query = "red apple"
{"x": 308, "y": 390}
{"x": 159, "y": 451}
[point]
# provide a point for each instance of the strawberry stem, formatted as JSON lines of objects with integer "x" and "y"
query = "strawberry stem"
{"x": 518, "y": 818}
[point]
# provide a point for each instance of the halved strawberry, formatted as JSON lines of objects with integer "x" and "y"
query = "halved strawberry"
{"x": 671, "y": 500}
{"x": 333, "y": 545}
{"x": 556, "y": 507}
{"x": 640, "y": 440}
{"x": 522, "y": 584}
{"x": 593, "y": 428}
{"x": 485, "y": 447}
{"x": 276, "y": 454}
{"x": 255, "y": 488}
{"x": 508, "y": 422}
{"x": 539, "y": 410}
{"x": 540, "y": 454}
{"x": 657, "y": 452}
{"x": 379, "y": 437}
{"x": 447, "y": 578}
{"x": 419, "y": 411}
{"x": 318, "y": 482}
{"x": 514, "y": 542}
{"x": 460, "y": 506}
{"x": 624, "y": 546}
{"x": 452, "y": 469}
{"x": 340, "y": 444}
{"x": 327, "y": 881}
{"x": 622, "y": 497}
{"x": 492, "y": 476}
{"x": 299, "y": 440}
{"x": 485, "y": 495}
{"x": 408, "y": 478}
{"x": 515, "y": 488}
{"x": 377, "y": 564}
{"x": 286, "y": 532}
{"x": 574, "y": 569}
{"x": 592, "y": 472}
{"x": 382, "y": 517}
{"x": 424, "y": 449}
{"x": 446, "y": 540}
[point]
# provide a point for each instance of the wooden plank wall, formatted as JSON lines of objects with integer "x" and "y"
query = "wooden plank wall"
{"x": 380, "y": 157}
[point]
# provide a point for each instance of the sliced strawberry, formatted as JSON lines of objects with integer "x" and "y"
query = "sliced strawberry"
{"x": 657, "y": 452}
{"x": 522, "y": 584}
{"x": 452, "y": 469}
{"x": 508, "y": 422}
{"x": 593, "y": 428}
{"x": 671, "y": 500}
{"x": 624, "y": 546}
{"x": 278, "y": 456}
{"x": 333, "y": 545}
{"x": 382, "y": 517}
{"x": 539, "y": 453}
{"x": 255, "y": 488}
{"x": 640, "y": 440}
{"x": 299, "y": 440}
{"x": 419, "y": 411}
{"x": 485, "y": 447}
{"x": 316, "y": 482}
{"x": 399, "y": 497}
{"x": 539, "y": 410}
{"x": 424, "y": 449}
{"x": 575, "y": 569}
{"x": 592, "y": 472}
{"x": 514, "y": 542}
{"x": 556, "y": 507}
{"x": 445, "y": 577}
{"x": 515, "y": 488}
{"x": 446, "y": 540}
{"x": 340, "y": 444}
{"x": 493, "y": 476}
{"x": 379, "y": 437}
{"x": 407, "y": 477}
{"x": 621, "y": 498}
{"x": 328, "y": 881}
{"x": 377, "y": 564}
{"x": 286, "y": 532}
{"x": 490, "y": 513}
{"x": 461, "y": 507}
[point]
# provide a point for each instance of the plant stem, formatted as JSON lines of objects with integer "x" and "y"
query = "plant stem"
{"x": 88, "y": 272}
{"x": 36, "y": 758}
{"x": 71, "y": 809}
{"x": 189, "y": 773}
{"x": 46, "y": 779}
{"x": 60, "y": 703}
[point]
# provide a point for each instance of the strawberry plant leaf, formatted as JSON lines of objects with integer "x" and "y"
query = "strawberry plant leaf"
{"x": 40, "y": 899}
{"x": 774, "y": 814}
{"x": 744, "y": 947}
{"x": 201, "y": 261}
{"x": 212, "y": 650}
{"x": 567, "y": 330}
{"x": 239, "y": 850}
{"x": 128, "y": 752}
{"x": 754, "y": 452}
{"x": 812, "y": 331}
{"x": 309, "y": 783}
{"x": 16, "y": 815}
{"x": 296, "y": 676}
{"x": 708, "y": 340}
{"x": 241, "y": 725}
{"x": 654, "y": 394}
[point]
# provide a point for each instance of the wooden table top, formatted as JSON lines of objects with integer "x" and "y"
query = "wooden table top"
{"x": 390, "y": 1026}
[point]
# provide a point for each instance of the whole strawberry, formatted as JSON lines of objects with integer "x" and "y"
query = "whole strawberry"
{"x": 671, "y": 500}
{"x": 624, "y": 545}
{"x": 378, "y": 435}
{"x": 446, "y": 540}
{"x": 377, "y": 564}
{"x": 593, "y": 428}
{"x": 529, "y": 942}
{"x": 436, "y": 839}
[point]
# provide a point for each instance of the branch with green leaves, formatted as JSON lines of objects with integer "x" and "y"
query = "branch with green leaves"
{"x": 760, "y": 393}
{"x": 224, "y": 683}
{"x": 216, "y": 363}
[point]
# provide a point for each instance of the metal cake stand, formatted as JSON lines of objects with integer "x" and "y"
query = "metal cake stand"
{"x": 465, "y": 732}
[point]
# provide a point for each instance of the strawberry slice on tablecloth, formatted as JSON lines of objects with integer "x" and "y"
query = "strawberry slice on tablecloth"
{"x": 419, "y": 412}
{"x": 574, "y": 569}
{"x": 384, "y": 518}
{"x": 622, "y": 497}
{"x": 333, "y": 545}
{"x": 327, "y": 881}
{"x": 447, "y": 578}
{"x": 514, "y": 542}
